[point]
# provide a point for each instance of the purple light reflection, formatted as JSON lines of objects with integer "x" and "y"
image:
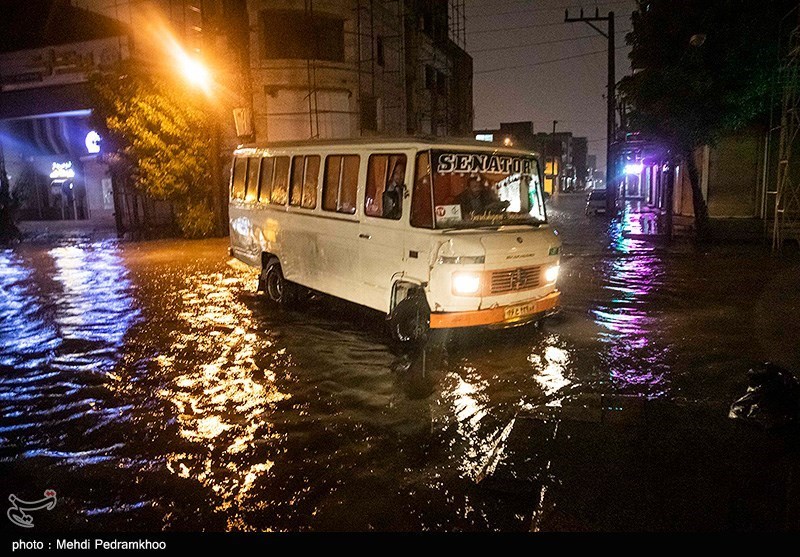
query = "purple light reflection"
{"x": 635, "y": 360}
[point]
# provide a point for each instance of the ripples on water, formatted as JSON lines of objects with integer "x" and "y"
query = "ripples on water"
{"x": 64, "y": 313}
{"x": 154, "y": 375}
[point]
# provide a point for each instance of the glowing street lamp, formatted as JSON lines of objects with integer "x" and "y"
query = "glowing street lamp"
{"x": 193, "y": 70}
{"x": 196, "y": 73}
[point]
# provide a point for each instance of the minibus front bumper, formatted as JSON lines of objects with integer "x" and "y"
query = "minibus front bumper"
{"x": 502, "y": 316}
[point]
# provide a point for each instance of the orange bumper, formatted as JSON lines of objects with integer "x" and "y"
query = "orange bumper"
{"x": 498, "y": 315}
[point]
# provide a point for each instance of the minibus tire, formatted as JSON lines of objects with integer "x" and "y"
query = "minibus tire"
{"x": 410, "y": 322}
{"x": 278, "y": 290}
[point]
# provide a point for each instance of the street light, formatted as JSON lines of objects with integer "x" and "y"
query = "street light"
{"x": 198, "y": 75}
{"x": 193, "y": 70}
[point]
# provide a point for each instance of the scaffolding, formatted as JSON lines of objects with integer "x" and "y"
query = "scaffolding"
{"x": 380, "y": 34}
{"x": 431, "y": 104}
{"x": 457, "y": 23}
{"x": 786, "y": 224}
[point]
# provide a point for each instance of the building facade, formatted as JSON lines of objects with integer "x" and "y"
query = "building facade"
{"x": 353, "y": 68}
{"x": 49, "y": 147}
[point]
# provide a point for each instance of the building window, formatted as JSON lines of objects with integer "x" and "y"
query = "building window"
{"x": 340, "y": 183}
{"x": 485, "y": 137}
{"x": 426, "y": 22}
{"x": 294, "y": 34}
{"x": 384, "y": 197}
{"x": 441, "y": 83}
{"x": 369, "y": 113}
{"x": 430, "y": 77}
{"x": 305, "y": 176}
{"x": 379, "y": 53}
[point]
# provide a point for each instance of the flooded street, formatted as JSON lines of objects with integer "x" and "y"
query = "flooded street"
{"x": 153, "y": 389}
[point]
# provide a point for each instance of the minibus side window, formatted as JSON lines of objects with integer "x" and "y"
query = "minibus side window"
{"x": 305, "y": 176}
{"x": 310, "y": 182}
{"x": 280, "y": 181}
{"x": 385, "y": 181}
{"x": 251, "y": 189}
{"x": 267, "y": 165}
{"x": 296, "y": 185}
{"x": 340, "y": 184}
{"x": 239, "y": 175}
{"x": 422, "y": 199}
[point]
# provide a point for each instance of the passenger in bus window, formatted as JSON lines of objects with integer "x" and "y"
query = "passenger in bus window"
{"x": 476, "y": 199}
{"x": 393, "y": 194}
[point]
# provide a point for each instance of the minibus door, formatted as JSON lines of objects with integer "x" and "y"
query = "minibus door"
{"x": 381, "y": 230}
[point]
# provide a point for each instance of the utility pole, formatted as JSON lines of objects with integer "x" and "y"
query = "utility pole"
{"x": 611, "y": 107}
{"x": 553, "y": 162}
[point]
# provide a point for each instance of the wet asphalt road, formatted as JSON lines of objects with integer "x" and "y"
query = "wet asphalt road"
{"x": 151, "y": 387}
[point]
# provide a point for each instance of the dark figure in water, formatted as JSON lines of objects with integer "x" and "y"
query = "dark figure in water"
{"x": 772, "y": 399}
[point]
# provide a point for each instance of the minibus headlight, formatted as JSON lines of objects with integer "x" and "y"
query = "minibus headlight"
{"x": 466, "y": 284}
{"x": 551, "y": 274}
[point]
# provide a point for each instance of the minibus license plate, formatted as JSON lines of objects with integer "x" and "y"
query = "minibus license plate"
{"x": 521, "y": 310}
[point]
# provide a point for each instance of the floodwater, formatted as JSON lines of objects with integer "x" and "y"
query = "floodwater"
{"x": 152, "y": 389}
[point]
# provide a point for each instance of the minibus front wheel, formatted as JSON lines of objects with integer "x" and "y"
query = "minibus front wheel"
{"x": 279, "y": 290}
{"x": 410, "y": 321}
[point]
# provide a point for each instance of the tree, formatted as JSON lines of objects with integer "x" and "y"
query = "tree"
{"x": 8, "y": 205}
{"x": 159, "y": 137}
{"x": 702, "y": 68}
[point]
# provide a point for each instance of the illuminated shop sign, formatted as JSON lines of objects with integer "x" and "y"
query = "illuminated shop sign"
{"x": 62, "y": 170}
{"x": 92, "y": 142}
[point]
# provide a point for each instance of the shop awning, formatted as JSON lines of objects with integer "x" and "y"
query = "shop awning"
{"x": 44, "y": 101}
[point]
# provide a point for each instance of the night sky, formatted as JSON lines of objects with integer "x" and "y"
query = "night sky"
{"x": 535, "y": 82}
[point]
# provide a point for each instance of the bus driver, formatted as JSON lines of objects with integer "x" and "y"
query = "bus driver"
{"x": 476, "y": 199}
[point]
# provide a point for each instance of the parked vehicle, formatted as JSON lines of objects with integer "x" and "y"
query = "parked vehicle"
{"x": 466, "y": 244}
{"x": 595, "y": 202}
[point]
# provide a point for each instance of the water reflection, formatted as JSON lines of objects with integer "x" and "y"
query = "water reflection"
{"x": 64, "y": 315}
{"x": 222, "y": 397}
{"x": 551, "y": 367}
{"x": 26, "y": 337}
{"x": 635, "y": 358}
{"x": 94, "y": 304}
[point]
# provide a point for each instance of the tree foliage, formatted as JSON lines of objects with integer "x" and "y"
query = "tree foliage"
{"x": 702, "y": 68}
{"x": 161, "y": 136}
{"x": 691, "y": 94}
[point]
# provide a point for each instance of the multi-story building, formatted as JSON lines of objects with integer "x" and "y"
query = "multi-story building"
{"x": 349, "y": 68}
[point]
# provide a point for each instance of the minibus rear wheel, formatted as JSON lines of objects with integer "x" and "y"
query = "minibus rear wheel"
{"x": 410, "y": 322}
{"x": 279, "y": 290}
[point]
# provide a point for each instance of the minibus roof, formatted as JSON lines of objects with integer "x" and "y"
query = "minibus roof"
{"x": 400, "y": 142}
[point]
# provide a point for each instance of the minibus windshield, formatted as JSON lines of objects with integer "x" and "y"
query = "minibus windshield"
{"x": 484, "y": 189}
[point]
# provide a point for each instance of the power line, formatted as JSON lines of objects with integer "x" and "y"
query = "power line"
{"x": 535, "y": 26}
{"x": 539, "y": 10}
{"x": 494, "y": 48}
{"x": 543, "y": 62}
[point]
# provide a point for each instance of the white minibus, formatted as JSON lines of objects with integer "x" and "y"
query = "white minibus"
{"x": 435, "y": 233}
